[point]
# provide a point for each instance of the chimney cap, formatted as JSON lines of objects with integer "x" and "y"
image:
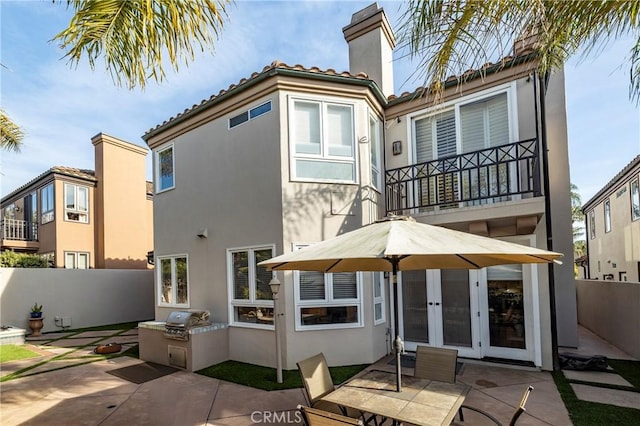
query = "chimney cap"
{"x": 363, "y": 14}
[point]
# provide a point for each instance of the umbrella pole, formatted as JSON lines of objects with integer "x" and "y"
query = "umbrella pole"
{"x": 398, "y": 346}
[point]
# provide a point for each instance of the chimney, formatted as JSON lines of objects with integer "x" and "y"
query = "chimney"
{"x": 371, "y": 42}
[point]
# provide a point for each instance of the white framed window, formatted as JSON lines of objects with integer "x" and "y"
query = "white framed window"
{"x": 327, "y": 301}
{"x": 250, "y": 296}
{"x": 374, "y": 147}
{"x": 76, "y": 203}
{"x": 592, "y": 224}
{"x": 76, "y": 260}
{"x": 165, "y": 174}
{"x": 47, "y": 203}
{"x": 378, "y": 298}
{"x": 607, "y": 216}
{"x": 173, "y": 280}
{"x": 635, "y": 200}
{"x": 250, "y": 114}
{"x": 322, "y": 138}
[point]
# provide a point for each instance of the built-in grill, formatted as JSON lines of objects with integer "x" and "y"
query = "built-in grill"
{"x": 179, "y": 323}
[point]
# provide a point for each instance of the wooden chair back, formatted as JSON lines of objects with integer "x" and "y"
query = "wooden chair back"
{"x": 316, "y": 378}
{"x": 436, "y": 364}
{"x": 315, "y": 417}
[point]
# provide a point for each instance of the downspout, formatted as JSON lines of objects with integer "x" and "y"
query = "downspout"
{"x": 547, "y": 215}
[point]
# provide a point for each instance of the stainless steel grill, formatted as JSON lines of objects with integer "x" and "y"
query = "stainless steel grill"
{"x": 179, "y": 323}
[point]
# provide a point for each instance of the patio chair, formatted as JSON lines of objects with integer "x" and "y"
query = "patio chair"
{"x": 317, "y": 381}
{"x": 436, "y": 364}
{"x": 516, "y": 415}
{"x": 315, "y": 417}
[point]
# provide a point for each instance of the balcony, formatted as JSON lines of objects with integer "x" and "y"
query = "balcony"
{"x": 19, "y": 234}
{"x": 502, "y": 173}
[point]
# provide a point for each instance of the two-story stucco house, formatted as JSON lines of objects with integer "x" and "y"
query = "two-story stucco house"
{"x": 292, "y": 155}
{"x": 80, "y": 219}
{"x": 613, "y": 227}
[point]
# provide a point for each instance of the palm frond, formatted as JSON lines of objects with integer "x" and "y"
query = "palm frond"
{"x": 133, "y": 37}
{"x": 11, "y": 135}
{"x": 450, "y": 36}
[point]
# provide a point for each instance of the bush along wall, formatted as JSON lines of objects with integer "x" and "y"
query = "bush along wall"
{"x": 11, "y": 259}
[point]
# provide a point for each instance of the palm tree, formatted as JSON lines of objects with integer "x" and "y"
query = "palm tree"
{"x": 135, "y": 37}
{"x": 11, "y": 134}
{"x": 449, "y": 36}
{"x": 577, "y": 217}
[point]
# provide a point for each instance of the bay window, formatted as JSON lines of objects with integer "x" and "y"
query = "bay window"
{"x": 250, "y": 296}
{"x": 322, "y": 141}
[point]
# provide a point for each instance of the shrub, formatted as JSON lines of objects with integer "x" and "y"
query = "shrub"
{"x": 11, "y": 259}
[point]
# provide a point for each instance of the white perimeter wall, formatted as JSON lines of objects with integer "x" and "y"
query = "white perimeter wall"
{"x": 90, "y": 297}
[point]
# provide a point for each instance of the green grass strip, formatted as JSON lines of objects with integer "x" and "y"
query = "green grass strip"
{"x": 15, "y": 352}
{"x": 584, "y": 413}
{"x": 264, "y": 378}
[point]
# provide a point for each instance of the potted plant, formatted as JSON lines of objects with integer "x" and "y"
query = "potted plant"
{"x": 36, "y": 311}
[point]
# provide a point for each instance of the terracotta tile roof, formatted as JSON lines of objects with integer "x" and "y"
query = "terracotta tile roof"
{"x": 63, "y": 170}
{"x": 268, "y": 70}
{"x": 277, "y": 66}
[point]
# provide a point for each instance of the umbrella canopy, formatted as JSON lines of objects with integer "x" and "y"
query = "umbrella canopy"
{"x": 413, "y": 245}
{"x": 400, "y": 243}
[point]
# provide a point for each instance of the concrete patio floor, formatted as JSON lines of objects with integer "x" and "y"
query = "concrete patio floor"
{"x": 86, "y": 395}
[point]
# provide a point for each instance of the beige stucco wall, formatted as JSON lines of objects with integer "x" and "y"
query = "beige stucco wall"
{"x": 123, "y": 223}
{"x": 89, "y": 297}
{"x": 610, "y": 309}
{"x": 616, "y": 252}
{"x": 73, "y": 236}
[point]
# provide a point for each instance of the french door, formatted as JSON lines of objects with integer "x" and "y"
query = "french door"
{"x": 440, "y": 308}
{"x": 481, "y": 313}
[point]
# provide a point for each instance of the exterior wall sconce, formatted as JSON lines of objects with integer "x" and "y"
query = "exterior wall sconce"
{"x": 203, "y": 233}
{"x": 397, "y": 147}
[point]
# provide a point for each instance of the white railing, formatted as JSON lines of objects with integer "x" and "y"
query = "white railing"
{"x": 16, "y": 229}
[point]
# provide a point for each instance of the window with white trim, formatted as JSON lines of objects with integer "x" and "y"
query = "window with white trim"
{"x": 47, "y": 203}
{"x": 76, "y": 260}
{"x": 322, "y": 141}
{"x": 165, "y": 175}
{"x": 374, "y": 147}
{"x": 250, "y": 296}
{"x": 173, "y": 280}
{"x": 249, "y": 114}
{"x": 592, "y": 224}
{"x": 326, "y": 301}
{"x": 635, "y": 199}
{"x": 378, "y": 298}
{"x": 607, "y": 216}
{"x": 76, "y": 203}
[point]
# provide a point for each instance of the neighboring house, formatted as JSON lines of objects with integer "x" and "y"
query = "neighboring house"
{"x": 613, "y": 227}
{"x": 86, "y": 218}
{"x": 292, "y": 156}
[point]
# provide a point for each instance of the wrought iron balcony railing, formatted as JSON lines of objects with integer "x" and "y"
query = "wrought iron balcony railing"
{"x": 20, "y": 230}
{"x": 486, "y": 176}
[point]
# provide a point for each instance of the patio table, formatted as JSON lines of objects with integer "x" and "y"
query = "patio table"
{"x": 420, "y": 402}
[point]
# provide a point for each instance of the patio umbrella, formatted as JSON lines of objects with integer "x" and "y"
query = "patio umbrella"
{"x": 399, "y": 243}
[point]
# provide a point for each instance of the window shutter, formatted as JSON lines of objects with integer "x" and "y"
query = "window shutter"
{"x": 485, "y": 124}
{"x": 424, "y": 140}
{"x": 498, "y": 120}
{"x": 446, "y": 134}
{"x": 311, "y": 285}
{"x": 344, "y": 285}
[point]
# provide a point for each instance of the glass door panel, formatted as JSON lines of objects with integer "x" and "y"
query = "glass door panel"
{"x": 505, "y": 289}
{"x": 456, "y": 308}
{"x": 414, "y": 308}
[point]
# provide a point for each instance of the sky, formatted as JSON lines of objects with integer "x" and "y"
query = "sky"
{"x": 61, "y": 108}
